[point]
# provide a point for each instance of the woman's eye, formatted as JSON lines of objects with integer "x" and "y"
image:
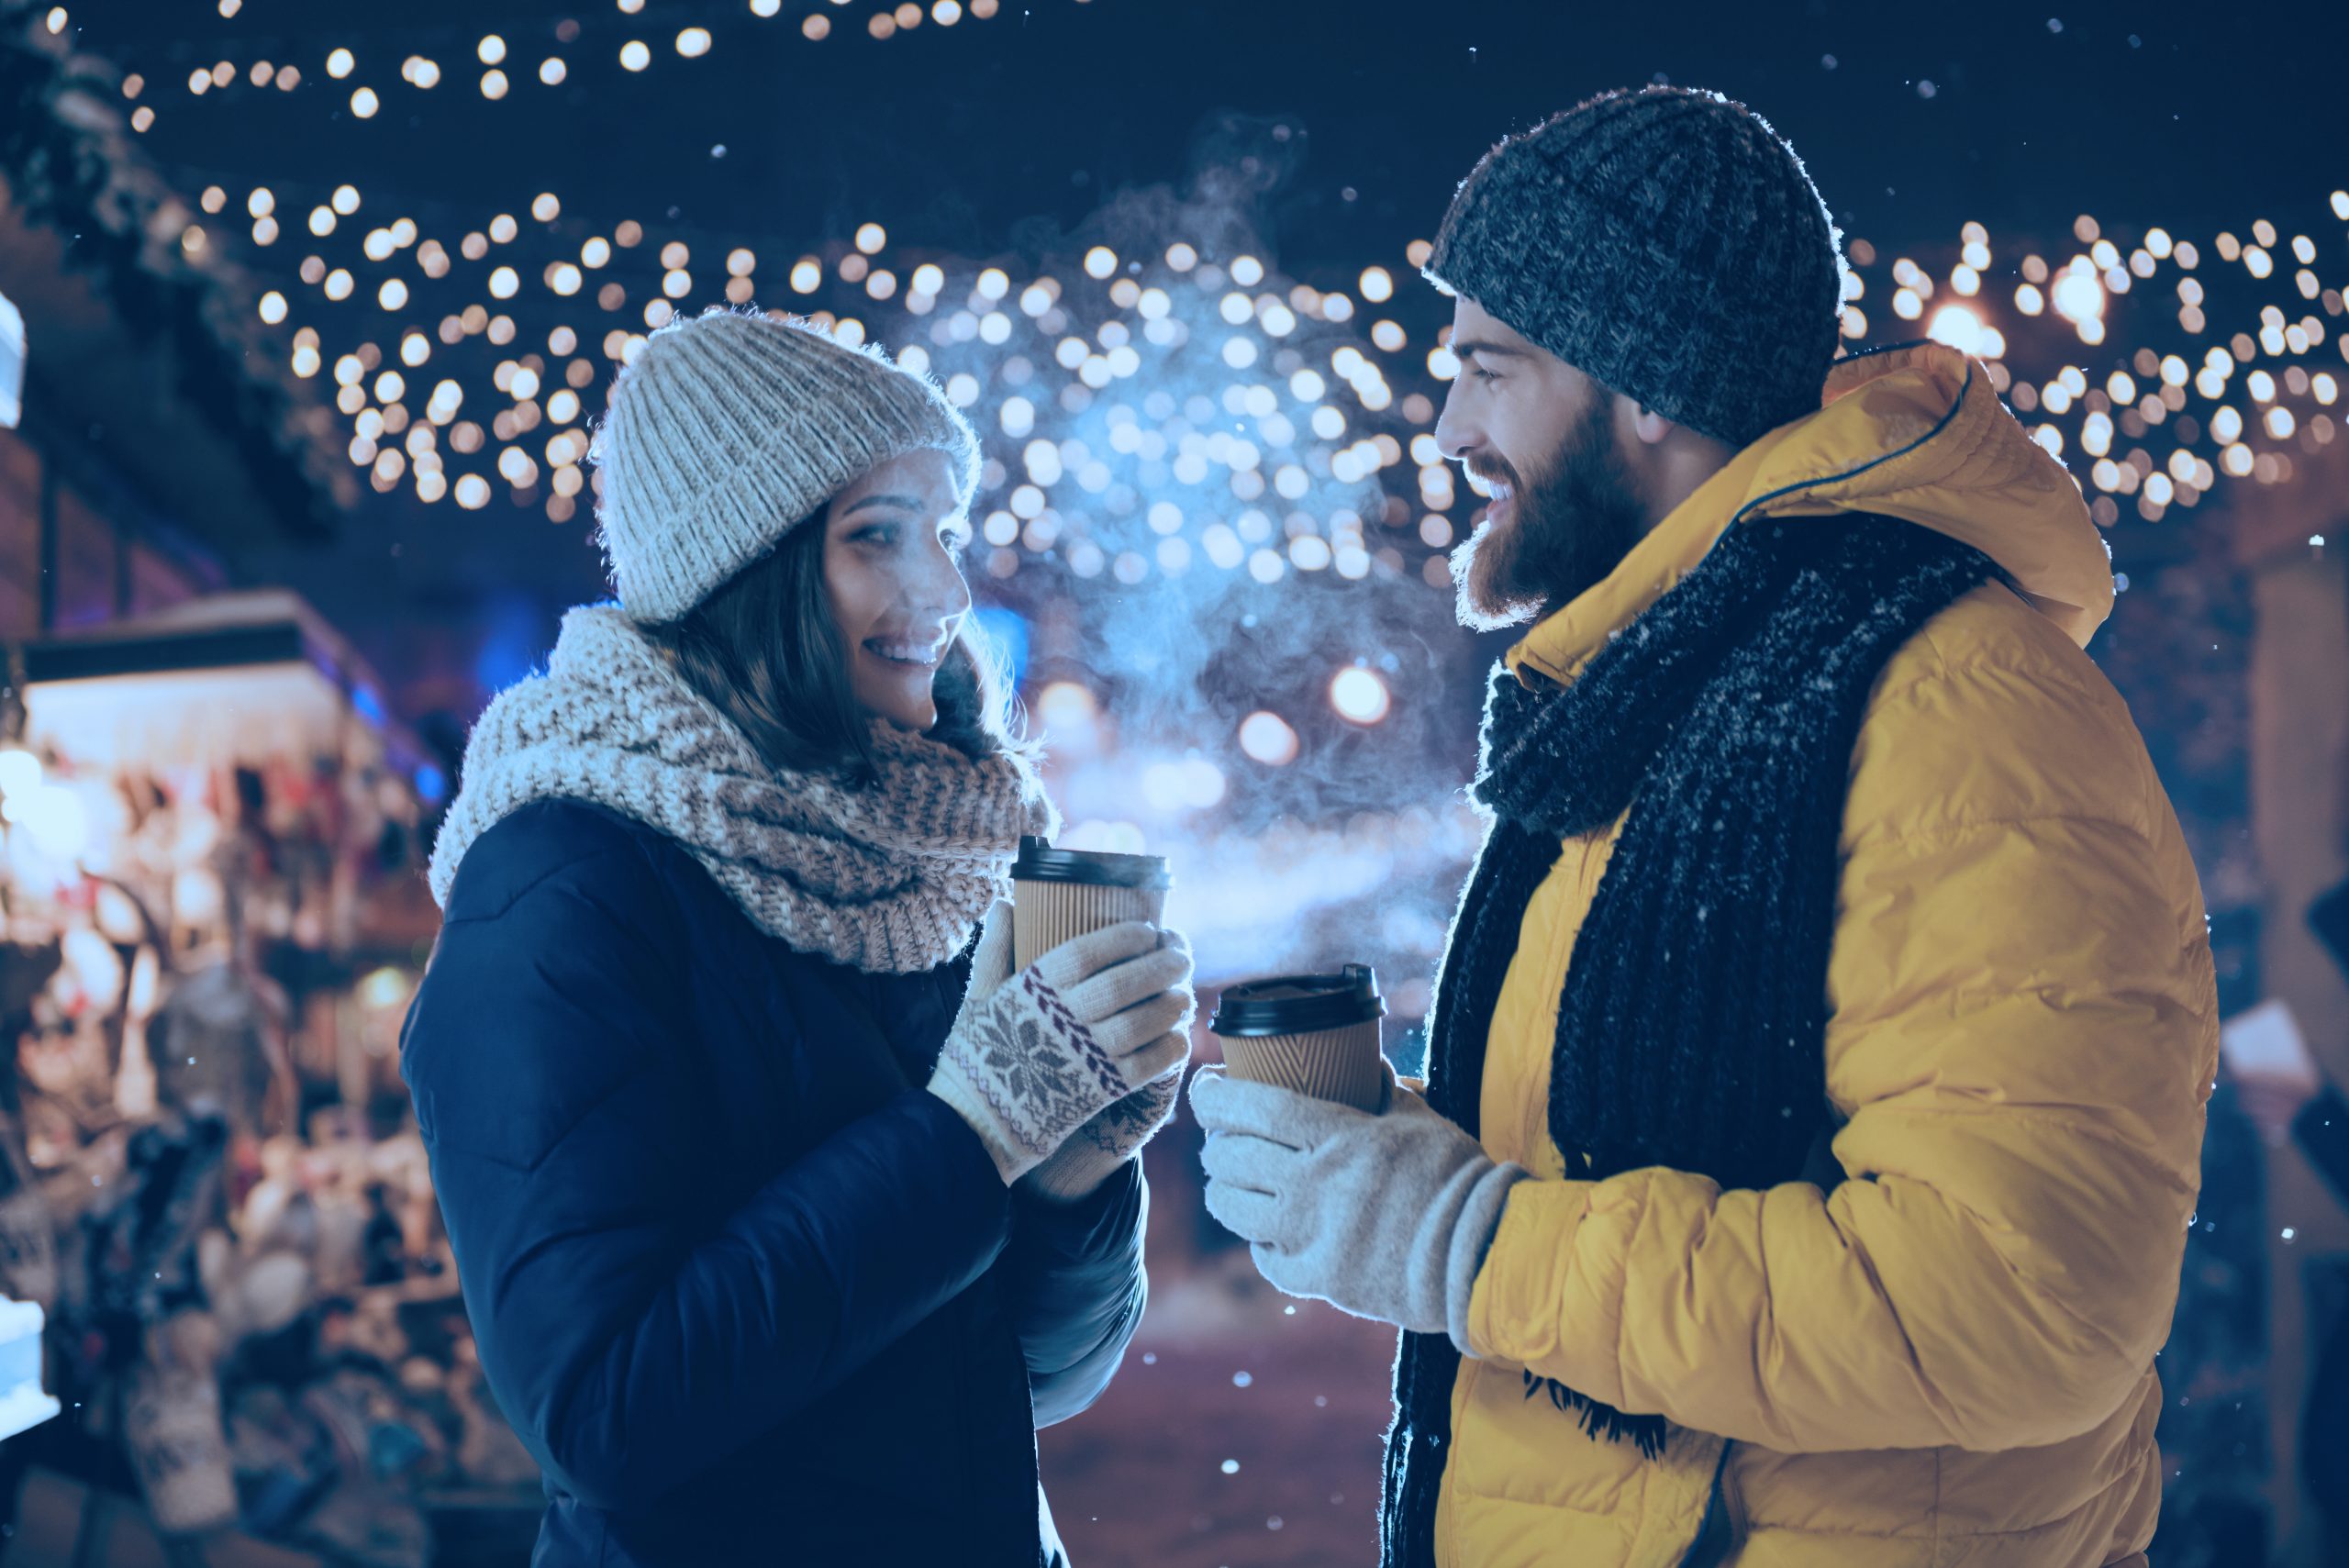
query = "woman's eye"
{"x": 881, "y": 534}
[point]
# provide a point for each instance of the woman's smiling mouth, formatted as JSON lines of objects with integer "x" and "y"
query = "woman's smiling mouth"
{"x": 907, "y": 654}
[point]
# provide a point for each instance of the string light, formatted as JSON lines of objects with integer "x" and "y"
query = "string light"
{"x": 1283, "y": 411}
{"x": 1288, "y": 424}
{"x": 424, "y": 74}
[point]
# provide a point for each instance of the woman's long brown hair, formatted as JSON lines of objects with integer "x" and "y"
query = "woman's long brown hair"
{"x": 764, "y": 650}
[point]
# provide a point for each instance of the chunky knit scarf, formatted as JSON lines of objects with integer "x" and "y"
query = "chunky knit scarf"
{"x": 886, "y": 877}
{"x": 1691, "y": 1026}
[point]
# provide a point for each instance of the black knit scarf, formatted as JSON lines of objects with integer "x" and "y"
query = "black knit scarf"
{"x": 1691, "y": 1026}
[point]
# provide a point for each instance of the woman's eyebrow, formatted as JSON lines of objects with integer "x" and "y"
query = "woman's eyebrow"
{"x": 884, "y": 499}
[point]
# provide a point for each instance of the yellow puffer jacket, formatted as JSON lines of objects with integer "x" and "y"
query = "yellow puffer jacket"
{"x": 1944, "y": 1356}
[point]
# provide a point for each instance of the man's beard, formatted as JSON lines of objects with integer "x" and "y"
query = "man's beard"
{"x": 1574, "y": 519}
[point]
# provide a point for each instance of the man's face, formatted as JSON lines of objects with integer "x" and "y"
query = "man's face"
{"x": 1542, "y": 436}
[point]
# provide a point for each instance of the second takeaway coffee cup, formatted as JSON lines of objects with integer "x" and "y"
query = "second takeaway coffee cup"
{"x": 1057, "y": 894}
{"x": 1314, "y": 1033}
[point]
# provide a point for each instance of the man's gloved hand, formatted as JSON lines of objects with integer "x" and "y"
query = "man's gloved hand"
{"x": 1034, "y": 1056}
{"x": 1384, "y": 1217}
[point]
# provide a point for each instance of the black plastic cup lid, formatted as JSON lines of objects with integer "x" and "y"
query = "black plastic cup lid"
{"x": 1299, "y": 1003}
{"x": 1039, "y": 862}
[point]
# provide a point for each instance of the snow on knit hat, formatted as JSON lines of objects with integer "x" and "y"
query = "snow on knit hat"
{"x": 1666, "y": 242}
{"x": 729, "y": 427}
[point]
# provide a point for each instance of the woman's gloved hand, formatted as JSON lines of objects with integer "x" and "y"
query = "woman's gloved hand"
{"x": 1034, "y": 1056}
{"x": 1093, "y": 1153}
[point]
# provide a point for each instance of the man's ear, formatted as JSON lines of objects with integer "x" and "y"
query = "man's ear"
{"x": 1650, "y": 426}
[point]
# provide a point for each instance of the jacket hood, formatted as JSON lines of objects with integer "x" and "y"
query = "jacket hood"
{"x": 1916, "y": 433}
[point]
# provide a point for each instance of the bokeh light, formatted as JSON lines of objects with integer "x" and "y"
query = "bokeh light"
{"x": 1268, "y": 738}
{"x": 1359, "y": 696}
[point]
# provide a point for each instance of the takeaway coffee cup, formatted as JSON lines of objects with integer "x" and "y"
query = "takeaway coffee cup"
{"x": 1314, "y": 1033}
{"x": 1059, "y": 893}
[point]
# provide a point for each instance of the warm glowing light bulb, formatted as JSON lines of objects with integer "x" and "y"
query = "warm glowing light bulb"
{"x": 1359, "y": 696}
{"x": 1065, "y": 707}
{"x": 19, "y": 773}
{"x": 1961, "y": 330}
{"x": 2077, "y": 294}
{"x": 1267, "y": 738}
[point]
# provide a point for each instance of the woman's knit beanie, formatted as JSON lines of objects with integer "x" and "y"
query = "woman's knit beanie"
{"x": 1666, "y": 242}
{"x": 729, "y": 427}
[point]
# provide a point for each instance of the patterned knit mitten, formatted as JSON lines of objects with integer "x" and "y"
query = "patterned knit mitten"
{"x": 1034, "y": 1056}
{"x": 1093, "y": 1151}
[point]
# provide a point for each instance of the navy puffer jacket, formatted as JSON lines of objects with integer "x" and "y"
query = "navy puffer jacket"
{"x": 746, "y": 1291}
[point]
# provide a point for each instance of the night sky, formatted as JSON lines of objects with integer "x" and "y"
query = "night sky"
{"x": 1003, "y": 138}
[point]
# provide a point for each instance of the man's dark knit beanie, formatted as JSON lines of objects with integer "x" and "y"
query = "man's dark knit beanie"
{"x": 1666, "y": 242}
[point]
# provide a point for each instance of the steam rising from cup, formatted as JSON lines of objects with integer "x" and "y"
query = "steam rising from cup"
{"x": 1214, "y": 518}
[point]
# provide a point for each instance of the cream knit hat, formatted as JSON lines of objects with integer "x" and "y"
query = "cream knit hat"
{"x": 731, "y": 427}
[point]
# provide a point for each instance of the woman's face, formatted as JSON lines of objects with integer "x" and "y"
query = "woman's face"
{"x": 890, "y": 538}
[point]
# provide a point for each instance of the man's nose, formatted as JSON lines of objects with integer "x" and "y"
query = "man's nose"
{"x": 1455, "y": 434}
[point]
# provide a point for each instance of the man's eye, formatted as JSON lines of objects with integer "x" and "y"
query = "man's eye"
{"x": 1481, "y": 374}
{"x": 957, "y": 537}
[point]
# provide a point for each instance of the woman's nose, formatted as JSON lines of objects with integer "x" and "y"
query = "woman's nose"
{"x": 938, "y": 588}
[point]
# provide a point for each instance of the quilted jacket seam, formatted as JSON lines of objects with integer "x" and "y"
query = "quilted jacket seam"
{"x": 515, "y": 899}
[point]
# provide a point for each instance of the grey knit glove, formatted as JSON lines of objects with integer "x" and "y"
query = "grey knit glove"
{"x": 1384, "y": 1217}
{"x": 1034, "y": 1056}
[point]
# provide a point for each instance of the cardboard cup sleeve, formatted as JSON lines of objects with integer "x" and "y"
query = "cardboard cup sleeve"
{"x": 1339, "y": 1065}
{"x": 1046, "y": 914}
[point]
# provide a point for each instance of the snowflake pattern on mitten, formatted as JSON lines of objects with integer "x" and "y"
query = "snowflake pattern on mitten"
{"x": 1125, "y": 1126}
{"x": 1037, "y": 1070}
{"x": 1093, "y": 1151}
